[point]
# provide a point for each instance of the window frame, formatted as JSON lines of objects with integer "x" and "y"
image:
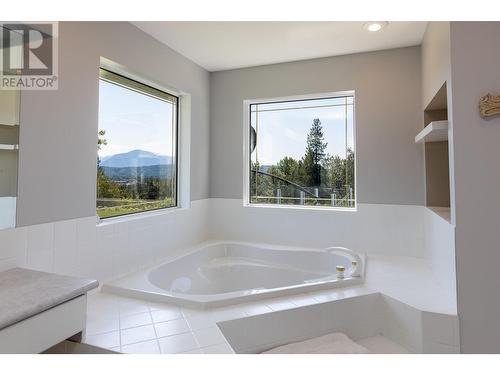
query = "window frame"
{"x": 143, "y": 86}
{"x": 247, "y": 157}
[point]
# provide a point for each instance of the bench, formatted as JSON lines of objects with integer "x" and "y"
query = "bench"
{"x": 40, "y": 309}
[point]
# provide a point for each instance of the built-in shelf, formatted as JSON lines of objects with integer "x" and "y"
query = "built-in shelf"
{"x": 3, "y": 124}
{"x": 444, "y": 212}
{"x": 436, "y": 131}
{"x": 8, "y": 147}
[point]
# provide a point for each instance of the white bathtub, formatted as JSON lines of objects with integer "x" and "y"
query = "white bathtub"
{"x": 224, "y": 273}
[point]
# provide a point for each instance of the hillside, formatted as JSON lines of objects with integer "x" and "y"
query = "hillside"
{"x": 134, "y": 173}
{"x": 135, "y": 158}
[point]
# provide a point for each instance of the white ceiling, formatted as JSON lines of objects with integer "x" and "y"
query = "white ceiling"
{"x": 230, "y": 45}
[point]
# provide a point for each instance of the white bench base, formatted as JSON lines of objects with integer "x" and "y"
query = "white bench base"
{"x": 46, "y": 329}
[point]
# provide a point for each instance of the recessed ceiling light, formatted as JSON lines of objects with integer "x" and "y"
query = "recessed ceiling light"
{"x": 375, "y": 26}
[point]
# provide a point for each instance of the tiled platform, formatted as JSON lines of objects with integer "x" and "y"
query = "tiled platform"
{"x": 382, "y": 345}
{"x": 137, "y": 326}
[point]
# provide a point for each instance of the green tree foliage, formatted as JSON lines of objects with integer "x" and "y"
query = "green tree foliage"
{"x": 261, "y": 185}
{"x": 338, "y": 172}
{"x": 106, "y": 188}
{"x": 101, "y": 141}
{"x": 288, "y": 168}
{"x": 315, "y": 170}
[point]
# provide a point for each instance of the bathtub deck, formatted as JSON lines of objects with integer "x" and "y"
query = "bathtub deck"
{"x": 136, "y": 326}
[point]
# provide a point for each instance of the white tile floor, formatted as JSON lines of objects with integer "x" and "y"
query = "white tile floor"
{"x": 136, "y": 326}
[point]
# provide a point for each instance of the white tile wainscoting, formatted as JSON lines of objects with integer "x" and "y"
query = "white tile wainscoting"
{"x": 80, "y": 247}
{"x": 372, "y": 228}
{"x": 440, "y": 250}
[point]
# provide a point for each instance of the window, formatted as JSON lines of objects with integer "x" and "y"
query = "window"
{"x": 137, "y": 147}
{"x": 302, "y": 152}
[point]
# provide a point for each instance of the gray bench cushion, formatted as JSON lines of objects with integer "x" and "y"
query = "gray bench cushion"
{"x": 24, "y": 293}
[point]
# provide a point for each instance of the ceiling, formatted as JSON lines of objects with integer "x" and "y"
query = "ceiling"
{"x": 230, "y": 45}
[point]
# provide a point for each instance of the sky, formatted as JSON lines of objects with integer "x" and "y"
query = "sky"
{"x": 133, "y": 121}
{"x": 137, "y": 121}
{"x": 284, "y": 133}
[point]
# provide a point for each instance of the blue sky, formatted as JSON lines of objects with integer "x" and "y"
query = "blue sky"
{"x": 133, "y": 121}
{"x": 137, "y": 121}
{"x": 284, "y": 133}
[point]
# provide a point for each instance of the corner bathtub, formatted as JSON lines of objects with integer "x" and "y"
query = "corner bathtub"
{"x": 224, "y": 273}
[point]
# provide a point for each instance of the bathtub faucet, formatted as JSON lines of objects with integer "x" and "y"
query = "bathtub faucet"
{"x": 355, "y": 269}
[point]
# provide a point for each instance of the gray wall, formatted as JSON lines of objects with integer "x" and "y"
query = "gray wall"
{"x": 57, "y": 167}
{"x": 435, "y": 59}
{"x": 437, "y": 174}
{"x": 435, "y": 72}
{"x": 388, "y": 116}
{"x": 475, "y": 64}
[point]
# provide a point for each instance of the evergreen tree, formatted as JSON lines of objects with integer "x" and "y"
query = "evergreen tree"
{"x": 315, "y": 153}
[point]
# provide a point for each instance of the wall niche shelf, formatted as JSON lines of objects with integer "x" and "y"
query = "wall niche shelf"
{"x": 436, "y": 131}
{"x": 434, "y": 138}
{"x": 8, "y": 147}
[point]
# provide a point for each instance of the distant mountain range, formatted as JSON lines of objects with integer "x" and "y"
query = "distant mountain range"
{"x": 130, "y": 174}
{"x": 131, "y": 166}
{"x": 135, "y": 158}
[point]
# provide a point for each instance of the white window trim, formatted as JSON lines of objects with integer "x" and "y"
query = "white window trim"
{"x": 246, "y": 150}
{"x": 183, "y": 146}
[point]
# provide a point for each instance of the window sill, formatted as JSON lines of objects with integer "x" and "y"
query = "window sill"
{"x": 139, "y": 216}
{"x": 297, "y": 207}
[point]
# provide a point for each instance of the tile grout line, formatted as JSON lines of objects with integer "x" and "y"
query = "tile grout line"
{"x": 192, "y": 332}
{"x": 140, "y": 342}
{"x": 154, "y": 329}
{"x": 53, "y": 248}
{"x": 119, "y": 324}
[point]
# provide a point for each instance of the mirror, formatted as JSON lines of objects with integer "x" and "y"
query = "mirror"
{"x": 9, "y": 146}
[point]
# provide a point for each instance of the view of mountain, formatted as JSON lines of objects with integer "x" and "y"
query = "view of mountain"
{"x": 135, "y": 158}
{"x": 129, "y": 174}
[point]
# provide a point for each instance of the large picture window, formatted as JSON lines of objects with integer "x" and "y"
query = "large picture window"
{"x": 137, "y": 147}
{"x": 302, "y": 152}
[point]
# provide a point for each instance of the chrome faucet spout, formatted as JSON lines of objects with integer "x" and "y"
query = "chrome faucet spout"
{"x": 356, "y": 262}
